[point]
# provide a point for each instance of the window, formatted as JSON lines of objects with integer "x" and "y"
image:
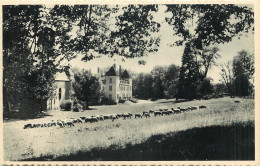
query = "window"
{"x": 110, "y": 88}
{"x": 110, "y": 96}
{"x": 110, "y": 80}
{"x": 59, "y": 93}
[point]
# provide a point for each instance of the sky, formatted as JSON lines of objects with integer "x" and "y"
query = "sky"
{"x": 167, "y": 54}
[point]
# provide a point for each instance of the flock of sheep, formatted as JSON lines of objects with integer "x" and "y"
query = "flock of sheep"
{"x": 92, "y": 119}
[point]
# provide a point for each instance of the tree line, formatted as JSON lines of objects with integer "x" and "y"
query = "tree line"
{"x": 161, "y": 82}
{"x": 238, "y": 75}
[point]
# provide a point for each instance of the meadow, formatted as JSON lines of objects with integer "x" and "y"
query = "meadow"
{"x": 53, "y": 143}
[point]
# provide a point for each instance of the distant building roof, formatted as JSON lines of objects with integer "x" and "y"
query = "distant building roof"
{"x": 111, "y": 72}
{"x": 66, "y": 75}
{"x": 125, "y": 74}
{"x": 61, "y": 76}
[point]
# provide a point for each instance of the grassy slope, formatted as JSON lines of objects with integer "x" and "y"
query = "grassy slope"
{"x": 55, "y": 142}
{"x": 235, "y": 142}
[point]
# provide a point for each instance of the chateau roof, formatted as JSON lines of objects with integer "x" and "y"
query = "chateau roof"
{"x": 111, "y": 72}
{"x": 125, "y": 74}
{"x": 66, "y": 75}
{"x": 61, "y": 76}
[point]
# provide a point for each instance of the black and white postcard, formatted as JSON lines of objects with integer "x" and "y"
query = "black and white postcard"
{"x": 129, "y": 83}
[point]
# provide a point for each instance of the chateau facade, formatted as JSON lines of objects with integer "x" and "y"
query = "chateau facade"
{"x": 116, "y": 85}
{"x": 63, "y": 83}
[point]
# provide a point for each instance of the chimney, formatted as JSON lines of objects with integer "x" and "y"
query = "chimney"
{"x": 114, "y": 66}
{"x": 120, "y": 70}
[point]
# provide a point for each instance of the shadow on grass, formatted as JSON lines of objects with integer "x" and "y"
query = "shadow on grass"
{"x": 236, "y": 142}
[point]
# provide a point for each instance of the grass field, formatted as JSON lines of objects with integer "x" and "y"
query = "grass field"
{"x": 62, "y": 143}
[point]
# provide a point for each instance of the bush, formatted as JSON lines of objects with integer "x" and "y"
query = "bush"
{"x": 134, "y": 100}
{"x": 107, "y": 101}
{"x": 77, "y": 107}
{"x": 66, "y": 105}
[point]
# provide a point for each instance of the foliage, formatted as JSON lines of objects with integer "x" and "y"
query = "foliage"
{"x": 66, "y": 105}
{"x": 30, "y": 54}
{"x": 160, "y": 83}
{"x": 238, "y": 76}
{"x": 189, "y": 78}
{"x": 220, "y": 89}
{"x": 133, "y": 34}
{"x": 206, "y": 88}
{"x": 130, "y": 37}
{"x": 171, "y": 81}
{"x": 212, "y": 24}
{"x": 227, "y": 75}
{"x": 107, "y": 101}
{"x": 86, "y": 88}
{"x": 243, "y": 71}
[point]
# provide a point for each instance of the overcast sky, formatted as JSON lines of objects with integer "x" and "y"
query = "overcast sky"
{"x": 167, "y": 54}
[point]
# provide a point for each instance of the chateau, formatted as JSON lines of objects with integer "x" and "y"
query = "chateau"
{"x": 116, "y": 85}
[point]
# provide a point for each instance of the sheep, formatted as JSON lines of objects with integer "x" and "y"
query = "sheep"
{"x": 127, "y": 116}
{"x": 182, "y": 109}
{"x": 202, "y": 106}
{"x": 60, "y": 123}
{"x": 119, "y": 115}
{"x": 170, "y": 112}
{"x": 138, "y": 115}
{"x": 79, "y": 120}
{"x": 147, "y": 115}
{"x": 29, "y": 125}
{"x": 164, "y": 113}
{"x": 237, "y": 101}
{"x": 83, "y": 118}
{"x": 157, "y": 113}
{"x": 69, "y": 124}
{"x": 144, "y": 112}
{"x": 51, "y": 124}
{"x": 94, "y": 119}
{"x": 114, "y": 117}
{"x": 176, "y": 111}
{"x": 193, "y": 108}
{"x": 88, "y": 120}
{"x": 106, "y": 117}
{"x": 151, "y": 111}
{"x": 101, "y": 118}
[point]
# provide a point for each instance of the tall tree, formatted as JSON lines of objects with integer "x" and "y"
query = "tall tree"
{"x": 31, "y": 55}
{"x": 86, "y": 87}
{"x": 227, "y": 76}
{"x": 208, "y": 57}
{"x": 189, "y": 78}
{"x": 243, "y": 71}
{"x": 171, "y": 81}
